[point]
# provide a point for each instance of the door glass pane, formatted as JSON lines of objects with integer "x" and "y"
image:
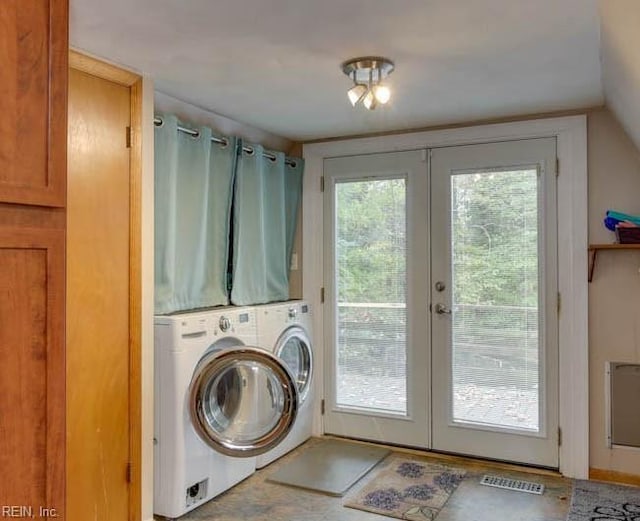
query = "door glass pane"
{"x": 295, "y": 354}
{"x": 495, "y": 335}
{"x": 371, "y": 248}
{"x": 243, "y": 402}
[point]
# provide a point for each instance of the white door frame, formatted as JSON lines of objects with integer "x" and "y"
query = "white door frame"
{"x": 571, "y": 133}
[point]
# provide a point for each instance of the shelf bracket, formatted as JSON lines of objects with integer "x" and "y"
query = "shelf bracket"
{"x": 592, "y": 262}
{"x": 593, "y": 252}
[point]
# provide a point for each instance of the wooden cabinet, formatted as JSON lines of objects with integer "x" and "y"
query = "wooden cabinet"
{"x": 33, "y": 92}
{"x": 32, "y": 369}
{"x": 33, "y": 128}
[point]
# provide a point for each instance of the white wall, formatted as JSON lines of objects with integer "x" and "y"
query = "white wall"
{"x": 614, "y": 294}
{"x": 620, "y": 56}
{"x": 225, "y": 126}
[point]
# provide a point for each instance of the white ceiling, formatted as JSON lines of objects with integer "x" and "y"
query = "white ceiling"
{"x": 275, "y": 64}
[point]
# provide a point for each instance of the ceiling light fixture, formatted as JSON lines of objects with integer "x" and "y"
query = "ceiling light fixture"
{"x": 368, "y": 74}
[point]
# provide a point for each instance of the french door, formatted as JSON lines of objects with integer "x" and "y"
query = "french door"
{"x": 494, "y": 301}
{"x": 377, "y": 385}
{"x": 442, "y": 329}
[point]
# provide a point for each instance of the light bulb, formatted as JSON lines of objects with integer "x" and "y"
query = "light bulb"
{"x": 355, "y": 93}
{"x": 370, "y": 101}
{"x": 382, "y": 93}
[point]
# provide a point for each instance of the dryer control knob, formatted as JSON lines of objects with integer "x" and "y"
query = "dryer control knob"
{"x": 293, "y": 312}
{"x": 225, "y": 324}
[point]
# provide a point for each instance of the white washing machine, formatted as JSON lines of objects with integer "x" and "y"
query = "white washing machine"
{"x": 285, "y": 330}
{"x": 219, "y": 403}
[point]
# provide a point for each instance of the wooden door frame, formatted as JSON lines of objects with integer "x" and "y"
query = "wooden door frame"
{"x": 106, "y": 71}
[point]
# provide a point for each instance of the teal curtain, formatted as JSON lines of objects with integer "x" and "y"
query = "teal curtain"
{"x": 266, "y": 200}
{"x": 193, "y": 191}
{"x": 293, "y": 171}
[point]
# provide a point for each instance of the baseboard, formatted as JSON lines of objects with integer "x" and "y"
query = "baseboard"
{"x": 462, "y": 460}
{"x": 614, "y": 476}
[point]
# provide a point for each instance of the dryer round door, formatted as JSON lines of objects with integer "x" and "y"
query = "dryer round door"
{"x": 294, "y": 349}
{"x": 243, "y": 401}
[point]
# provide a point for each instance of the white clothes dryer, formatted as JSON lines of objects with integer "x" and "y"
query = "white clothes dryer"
{"x": 219, "y": 403}
{"x": 286, "y": 330}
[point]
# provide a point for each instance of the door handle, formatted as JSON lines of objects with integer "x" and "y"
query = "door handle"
{"x": 441, "y": 309}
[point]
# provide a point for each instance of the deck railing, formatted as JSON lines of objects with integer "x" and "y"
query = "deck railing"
{"x": 492, "y": 344}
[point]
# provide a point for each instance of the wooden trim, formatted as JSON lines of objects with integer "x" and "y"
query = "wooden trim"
{"x": 56, "y": 366}
{"x": 56, "y": 263}
{"x": 126, "y": 78}
{"x": 614, "y": 247}
{"x": 135, "y": 304}
{"x": 614, "y": 476}
{"x": 101, "y": 69}
{"x": 58, "y": 94}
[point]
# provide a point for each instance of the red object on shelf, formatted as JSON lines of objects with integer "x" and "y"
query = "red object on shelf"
{"x": 628, "y": 235}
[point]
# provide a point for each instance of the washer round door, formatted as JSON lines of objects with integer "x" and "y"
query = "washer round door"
{"x": 243, "y": 401}
{"x": 294, "y": 349}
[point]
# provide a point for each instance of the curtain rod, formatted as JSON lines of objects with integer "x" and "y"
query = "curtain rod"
{"x": 222, "y": 141}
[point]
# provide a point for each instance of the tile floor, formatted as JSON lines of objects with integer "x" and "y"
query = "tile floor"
{"x": 255, "y": 499}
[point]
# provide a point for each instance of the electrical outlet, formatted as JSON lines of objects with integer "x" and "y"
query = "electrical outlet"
{"x": 294, "y": 261}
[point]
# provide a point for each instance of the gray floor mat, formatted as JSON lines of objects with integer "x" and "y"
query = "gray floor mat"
{"x": 331, "y": 467}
